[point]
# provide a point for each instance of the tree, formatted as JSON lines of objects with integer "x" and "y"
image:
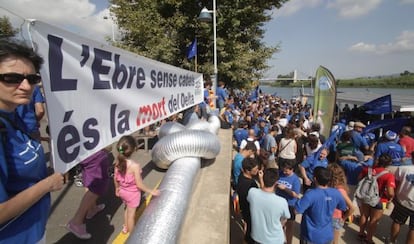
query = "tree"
{"x": 6, "y": 29}
{"x": 162, "y": 30}
{"x": 405, "y": 73}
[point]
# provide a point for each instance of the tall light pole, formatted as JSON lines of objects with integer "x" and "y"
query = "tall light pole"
{"x": 113, "y": 27}
{"x": 205, "y": 16}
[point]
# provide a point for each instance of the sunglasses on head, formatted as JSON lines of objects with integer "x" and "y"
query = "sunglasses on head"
{"x": 15, "y": 78}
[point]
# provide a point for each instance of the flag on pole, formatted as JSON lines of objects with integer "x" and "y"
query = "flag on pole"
{"x": 382, "y": 105}
{"x": 192, "y": 49}
{"x": 324, "y": 100}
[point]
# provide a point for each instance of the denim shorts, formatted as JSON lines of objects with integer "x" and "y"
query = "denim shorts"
{"x": 337, "y": 223}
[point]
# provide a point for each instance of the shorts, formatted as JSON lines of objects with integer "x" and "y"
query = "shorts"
{"x": 337, "y": 223}
{"x": 95, "y": 172}
{"x": 292, "y": 213}
{"x": 400, "y": 214}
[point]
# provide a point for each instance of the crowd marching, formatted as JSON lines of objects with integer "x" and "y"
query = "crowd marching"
{"x": 315, "y": 176}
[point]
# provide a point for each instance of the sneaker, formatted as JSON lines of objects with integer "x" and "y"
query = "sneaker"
{"x": 124, "y": 229}
{"x": 95, "y": 211}
{"x": 78, "y": 230}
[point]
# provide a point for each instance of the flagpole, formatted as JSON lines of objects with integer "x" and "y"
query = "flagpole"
{"x": 195, "y": 63}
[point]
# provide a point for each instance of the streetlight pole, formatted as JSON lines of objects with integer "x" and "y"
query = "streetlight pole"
{"x": 113, "y": 28}
{"x": 206, "y": 17}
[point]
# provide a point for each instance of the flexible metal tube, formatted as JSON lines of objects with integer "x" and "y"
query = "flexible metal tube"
{"x": 179, "y": 149}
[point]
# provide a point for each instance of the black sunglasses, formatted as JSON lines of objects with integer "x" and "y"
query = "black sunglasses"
{"x": 15, "y": 78}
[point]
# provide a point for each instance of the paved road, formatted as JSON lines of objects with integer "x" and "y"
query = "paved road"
{"x": 106, "y": 226}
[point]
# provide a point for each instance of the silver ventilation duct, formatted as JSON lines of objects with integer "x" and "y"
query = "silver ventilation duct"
{"x": 179, "y": 149}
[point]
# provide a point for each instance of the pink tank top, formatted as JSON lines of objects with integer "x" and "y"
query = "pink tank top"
{"x": 126, "y": 181}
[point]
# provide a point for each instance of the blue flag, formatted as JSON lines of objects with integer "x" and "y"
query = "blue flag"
{"x": 382, "y": 105}
{"x": 395, "y": 124}
{"x": 254, "y": 94}
{"x": 192, "y": 49}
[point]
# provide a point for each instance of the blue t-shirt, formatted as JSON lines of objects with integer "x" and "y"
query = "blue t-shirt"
{"x": 311, "y": 163}
{"x": 353, "y": 169}
{"x": 394, "y": 149}
{"x": 317, "y": 206}
{"x": 291, "y": 182}
{"x": 221, "y": 94}
{"x": 240, "y": 135}
{"x": 358, "y": 140}
{"x": 237, "y": 167}
{"x": 27, "y": 112}
{"x": 229, "y": 116}
{"x": 22, "y": 164}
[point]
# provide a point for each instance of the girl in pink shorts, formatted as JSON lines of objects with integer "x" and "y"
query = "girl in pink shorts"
{"x": 128, "y": 181}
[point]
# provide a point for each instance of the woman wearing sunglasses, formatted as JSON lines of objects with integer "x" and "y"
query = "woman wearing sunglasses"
{"x": 24, "y": 183}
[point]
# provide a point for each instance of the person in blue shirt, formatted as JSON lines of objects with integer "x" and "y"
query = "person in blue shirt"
{"x": 24, "y": 184}
{"x": 390, "y": 147}
{"x": 241, "y": 133}
{"x": 222, "y": 95}
{"x": 32, "y": 113}
{"x": 307, "y": 167}
{"x": 288, "y": 187}
{"x": 360, "y": 143}
{"x": 248, "y": 151}
{"x": 205, "y": 104}
{"x": 317, "y": 206}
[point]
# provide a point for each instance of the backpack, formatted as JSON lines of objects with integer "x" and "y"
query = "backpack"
{"x": 367, "y": 189}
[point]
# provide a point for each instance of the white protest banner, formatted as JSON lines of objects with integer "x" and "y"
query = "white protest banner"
{"x": 97, "y": 93}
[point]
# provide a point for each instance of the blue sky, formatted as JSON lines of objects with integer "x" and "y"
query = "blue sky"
{"x": 352, "y": 38}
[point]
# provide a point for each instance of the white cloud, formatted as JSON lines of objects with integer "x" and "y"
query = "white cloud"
{"x": 407, "y": 1}
{"x": 403, "y": 43}
{"x": 293, "y": 6}
{"x": 354, "y": 8}
{"x": 345, "y": 8}
{"x": 78, "y": 16}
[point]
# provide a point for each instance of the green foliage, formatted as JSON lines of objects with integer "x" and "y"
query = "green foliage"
{"x": 6, "y": 28}
{"x": 163, "y": 29}
{"x": 403, "y": 81}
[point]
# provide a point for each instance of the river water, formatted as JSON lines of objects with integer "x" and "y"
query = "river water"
{"x": 289, "y": 92}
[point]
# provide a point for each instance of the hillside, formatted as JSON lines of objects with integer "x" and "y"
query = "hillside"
{"x": 405, "y": 81}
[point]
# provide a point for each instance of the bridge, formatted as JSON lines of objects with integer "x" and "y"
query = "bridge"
{"x": 295, "y": 78}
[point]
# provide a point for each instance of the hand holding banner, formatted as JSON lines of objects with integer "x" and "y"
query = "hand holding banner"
{"x": 97, "y": 93}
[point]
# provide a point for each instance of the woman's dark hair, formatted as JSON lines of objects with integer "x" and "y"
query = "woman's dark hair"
{"x": 384, "y": 160}
{"x": 346, "y": 136}
{"x": 126, "y": 147}
{"x": 313, "y": 141}
{"x": 12, "y": 48}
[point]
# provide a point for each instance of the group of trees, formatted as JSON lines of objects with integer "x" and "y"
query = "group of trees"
{"x": 163, "y": 29}
{"x": 6, "y": 28}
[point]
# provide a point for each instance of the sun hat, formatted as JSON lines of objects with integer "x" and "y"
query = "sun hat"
{"x": 390, "y": 135}
{"x": 359, "y": 124}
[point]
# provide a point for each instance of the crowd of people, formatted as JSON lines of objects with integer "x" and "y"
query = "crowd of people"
{"x": 316, "y": 176}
